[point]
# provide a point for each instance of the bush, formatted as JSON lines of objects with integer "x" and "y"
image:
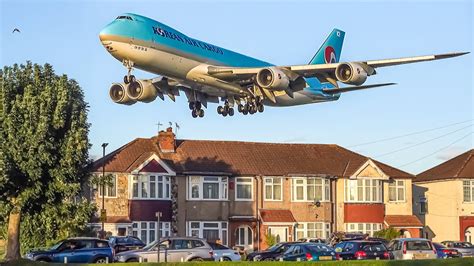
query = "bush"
{"x": 387, "y": 233}
{"x": 270, "y": 240}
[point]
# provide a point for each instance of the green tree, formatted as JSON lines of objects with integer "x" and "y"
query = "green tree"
{"x": 270, "y": 240}
{"x": 43, "y": 150}
{"x": 387, "y": 233}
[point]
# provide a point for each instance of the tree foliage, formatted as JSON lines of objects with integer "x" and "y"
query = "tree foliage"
{"x": 43, "y": 152}
{"x": 387, "y": 233}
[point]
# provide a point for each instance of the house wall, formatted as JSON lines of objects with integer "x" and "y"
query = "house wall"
{"x": 444, "y": 207}
{"x": 115, "y": 206}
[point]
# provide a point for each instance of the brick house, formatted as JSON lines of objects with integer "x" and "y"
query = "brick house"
{"x": 443, "y": 199}
{"x": 238, "y": 192}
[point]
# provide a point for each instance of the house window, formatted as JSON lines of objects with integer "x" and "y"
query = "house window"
{"x": 468, "y": 190}
{"x": 273, "y": 188}
{"x": 244, "y": 236}
{"x": 310, "y": 189}
{"x": 150, "y": 187}
{"x": 396, "y": 191}
{"x": 423, "y": 206}
{"x": 147, "y": 231}
{"x": 313, "y": 230}
{"x": 211, "y": 231}
{"x": 207, "y": 187}
{"x": 244, "y": 187}
{"x": 364, "y": 228}
{"x": 363, "y": 190}
{"x": 111, "y": 188}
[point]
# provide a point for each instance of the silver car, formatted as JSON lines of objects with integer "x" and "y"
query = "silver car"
{"x": 172, "y": 249}
{"x": 465, "y": 248}
{"x": 412, "y": 249}
{"x": 223, "y": 253}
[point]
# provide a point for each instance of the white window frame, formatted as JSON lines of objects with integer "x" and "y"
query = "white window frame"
{"x": 246, "y": 229}
{"x": 223, "y": 182}
{"x": 470, "y": 186}
{"x": 137, "y": 229}
{"x": 272, "y": 185}
{"x": 325, "y": 189}
{"x": 222, "y": 227}
{"x": 367, "y": 228}
{"x": 238, "y": 181}
{"x": 302, "y": 227}
{"x": 395, "y": 185}
{"x": 348, "y": 185}
{"x": 144, "y": 179}
{"x": 108, "y": 188}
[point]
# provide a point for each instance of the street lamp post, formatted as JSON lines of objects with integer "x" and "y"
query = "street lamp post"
{"x": 103, "y": 189}
{"x": 158, "y": 218}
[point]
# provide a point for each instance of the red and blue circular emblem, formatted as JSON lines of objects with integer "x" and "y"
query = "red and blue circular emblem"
{"x": 329, "y": 55}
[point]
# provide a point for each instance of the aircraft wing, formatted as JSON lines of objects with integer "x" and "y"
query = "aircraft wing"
{"x": 325, "y": 71}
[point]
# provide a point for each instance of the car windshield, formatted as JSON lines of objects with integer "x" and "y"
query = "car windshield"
{"x": 418, "y": 245}
{"x": 56, "y": 246}
{"x": 463, "y": 245}
{"x": 319, "y": 248}
{"x": 438, "y": 245}
{"x": 274, "y": 247}
{"x": 150, "y": 246}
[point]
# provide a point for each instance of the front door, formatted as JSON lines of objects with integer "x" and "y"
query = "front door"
{"x": 280, "y": 233}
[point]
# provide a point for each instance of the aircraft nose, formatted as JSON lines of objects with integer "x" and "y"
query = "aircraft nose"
{"x": 102, "y": 35}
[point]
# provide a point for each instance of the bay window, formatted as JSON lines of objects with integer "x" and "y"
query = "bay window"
{"x": 364, "y": 228}
{"x": 310, "y": 189}
{"x": 150, "y": 187}
{"x": 313, "y": 230}
{"x": 211, "y": 231}
{"x": 207, "y": 188}
{"x": 273, "y": 188}
{"x": 363, "y": 190}
{"x": 244, "y": 188}
{"x": 396, "y": 191}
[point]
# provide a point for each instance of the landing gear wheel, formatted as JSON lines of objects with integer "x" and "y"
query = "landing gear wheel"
{"x": 245, "y": 112}
{"x": 191, "y": 105}
{"x": 240, "y": 108}
{"x": 200, "y": 113}
{"x": 132, "y": 79}
{"x": 198, "y": 105}
{"x": 224, "y": 113}
{"x": 260, "y": 108}
{"x": 125, "y": 79}
{"x": 231, "y": 111}
{"x": 220, "y": 109}
{"x": 194, "y": 113}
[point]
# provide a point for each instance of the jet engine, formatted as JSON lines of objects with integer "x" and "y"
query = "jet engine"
{"x": 142, "y": 90}
{"x": 118, "y": 94}
{"x": 272, "y": 78}
{"x": 351, "y": 73}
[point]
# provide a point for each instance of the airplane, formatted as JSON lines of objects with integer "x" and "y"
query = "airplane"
{"x": 207, "y": 73}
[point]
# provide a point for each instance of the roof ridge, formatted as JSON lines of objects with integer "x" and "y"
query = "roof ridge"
{"x": 465, "y": 163}
{"x": 445, "y": 162}
{"x": 260, "y": 142}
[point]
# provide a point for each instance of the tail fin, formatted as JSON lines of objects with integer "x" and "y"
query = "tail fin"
{"x": 330, "y": 51}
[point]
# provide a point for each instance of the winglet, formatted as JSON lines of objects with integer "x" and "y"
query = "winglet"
{"x": 448, "y": 55}
{"x": 355, "y": 88}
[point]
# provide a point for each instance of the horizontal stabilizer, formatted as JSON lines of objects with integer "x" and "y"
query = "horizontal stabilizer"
{"x": 355, "y": 88}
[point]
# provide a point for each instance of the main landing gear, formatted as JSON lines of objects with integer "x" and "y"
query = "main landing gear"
{"x": 196, "y": 109}
{"x": 251, "y": 106}
{"x": 225, "y": 110}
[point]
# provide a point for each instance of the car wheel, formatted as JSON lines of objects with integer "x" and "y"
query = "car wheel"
{"x": 196, "y": 259}
{"x": 226, "y": 259}
{"x": 100, "y": 260}
{"x": 42, "y": 260}
{"x": 132, "y": 260}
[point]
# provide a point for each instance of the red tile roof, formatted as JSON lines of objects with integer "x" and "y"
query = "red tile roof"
{"x": 403, "y": 221}
{"x": 277, "y": 216}
{"x": 461, "y": 166}
{"x": 244, "y": 158}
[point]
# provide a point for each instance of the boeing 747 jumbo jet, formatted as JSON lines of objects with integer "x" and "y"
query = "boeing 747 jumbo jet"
{"x": 207, "y": 73}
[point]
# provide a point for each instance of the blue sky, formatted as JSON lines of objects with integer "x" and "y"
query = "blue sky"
{"x": 428, "y": 95}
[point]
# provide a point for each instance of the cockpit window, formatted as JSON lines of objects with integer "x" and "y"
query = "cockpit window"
{"x": 124, "y": 17}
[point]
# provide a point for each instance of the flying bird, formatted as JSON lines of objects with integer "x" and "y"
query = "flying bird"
{"x": 16, "y": 30}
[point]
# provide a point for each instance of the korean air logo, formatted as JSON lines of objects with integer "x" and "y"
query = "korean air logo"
{"x": 329, "y": 55}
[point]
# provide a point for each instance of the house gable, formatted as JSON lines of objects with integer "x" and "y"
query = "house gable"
{"x": 371, "y": 170}
{"x": 154, "y": 165}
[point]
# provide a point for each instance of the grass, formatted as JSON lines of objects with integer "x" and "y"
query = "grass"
{"x": 450, "y": 262}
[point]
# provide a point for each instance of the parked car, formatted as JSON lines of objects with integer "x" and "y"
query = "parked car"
{"x": 444, "y": 252}
{"x": 224, "y": 253}
{"x": 309, "y": 252}
{"x": 339, "y": 236}
{"x": 75, "y": 250}
{"x": 412, "y": 248}
{"x": 466, "y": 248}
{"x": 124, "y": 243}
{"x": 379, "y": 239}
{"x": 362, "y": 250}
{"x": 172, "y": 249}
{"x": 312, "y": 240}
{"x": 272, "y": 253}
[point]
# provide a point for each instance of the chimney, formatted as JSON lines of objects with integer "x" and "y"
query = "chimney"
{"x": 166, "y": 140}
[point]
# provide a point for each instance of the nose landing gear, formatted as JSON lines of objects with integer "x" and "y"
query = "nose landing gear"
{"x": 129, "y": 78}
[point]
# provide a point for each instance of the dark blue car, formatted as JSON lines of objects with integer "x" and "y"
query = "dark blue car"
{"x": 75, "y": 250}
{"x": 309, "y": 252}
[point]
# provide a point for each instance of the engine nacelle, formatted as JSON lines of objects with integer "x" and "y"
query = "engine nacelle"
{"x": 351, "y": 73}
{"x": 272, "y": 78}
{"x": 118, "y": 94}
{"x": 142, "y": 90}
